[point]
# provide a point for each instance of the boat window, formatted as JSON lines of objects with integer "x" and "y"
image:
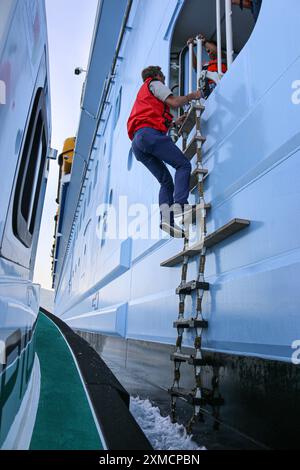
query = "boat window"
{"x": 226, "y": 28}
{"x": 84, "y": 209}
{"x": 96, "y": 175}
{"x": 31, "y": 172}
{"x": 118, "y": 106}
{"x": 90, "y": 194}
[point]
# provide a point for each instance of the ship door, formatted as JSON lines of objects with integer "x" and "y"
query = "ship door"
{"x": 220, "y": 21}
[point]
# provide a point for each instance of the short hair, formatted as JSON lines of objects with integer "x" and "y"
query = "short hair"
{"x": 151, "y": 72}
{"x": 211, "y": 41}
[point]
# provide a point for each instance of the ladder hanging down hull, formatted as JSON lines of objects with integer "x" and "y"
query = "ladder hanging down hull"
{"x": 198, "y": 396}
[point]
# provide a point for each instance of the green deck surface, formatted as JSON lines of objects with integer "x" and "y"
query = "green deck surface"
{"x": 64, "y": 418}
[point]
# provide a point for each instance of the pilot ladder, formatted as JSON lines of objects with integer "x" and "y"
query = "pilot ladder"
{"x": 198, "y": 397}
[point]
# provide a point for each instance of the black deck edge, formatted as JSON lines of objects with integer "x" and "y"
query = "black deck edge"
{"x": 109, "y": 398}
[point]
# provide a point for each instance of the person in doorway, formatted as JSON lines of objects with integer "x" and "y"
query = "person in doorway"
{"x": 253, "y": 5}
{"x": 147, "y": 126}
{"x": 212, "y": 65}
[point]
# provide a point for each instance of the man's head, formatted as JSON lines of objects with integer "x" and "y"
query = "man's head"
{"x": 155, "y": 72}
{"x": 211, "y": 49}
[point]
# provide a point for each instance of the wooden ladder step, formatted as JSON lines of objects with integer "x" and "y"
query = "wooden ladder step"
{"x": 187, "y": 288}
{"x": 234, "y": 226}
{"x": 206, "y": 399}
{"x": 192, "y": 360}
{"x": 190, "y": 323}
{"x": 188, "y": 394}
{"x": 180, "y": 357}
{"x": 190, "y": 120}
{"x": 194, "y": 177}
{"x": 191, "y": 149}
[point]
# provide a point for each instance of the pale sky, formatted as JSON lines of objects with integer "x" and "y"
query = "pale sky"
{"x": 70, "y": 29}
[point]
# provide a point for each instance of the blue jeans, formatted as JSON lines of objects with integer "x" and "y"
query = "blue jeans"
{"x": 154, "y": 148}
{"x": 256, "y": 6}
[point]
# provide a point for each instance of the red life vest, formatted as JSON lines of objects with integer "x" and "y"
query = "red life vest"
{"x": 212, "y": 66}
{"x": 148, "y": 111}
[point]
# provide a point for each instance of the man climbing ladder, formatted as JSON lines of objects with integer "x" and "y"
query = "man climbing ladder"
{"x": 148, "y": 124}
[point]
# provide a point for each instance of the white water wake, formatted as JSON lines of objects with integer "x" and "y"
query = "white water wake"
{"x": 160, "y": 431}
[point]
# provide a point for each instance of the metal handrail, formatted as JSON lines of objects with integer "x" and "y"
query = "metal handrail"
{"x": 229, "y": 35}
{"x": 219, "y": 35}
{"x": 199, "y": 43}
{"x": 191, "y": 46}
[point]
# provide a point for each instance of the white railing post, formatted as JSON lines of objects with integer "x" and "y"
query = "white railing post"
{"x": 229, "y": 37}
{"x": 219, "y": 36}
{"x": 199, "y": 59}
{"x": 191, "y": 67}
